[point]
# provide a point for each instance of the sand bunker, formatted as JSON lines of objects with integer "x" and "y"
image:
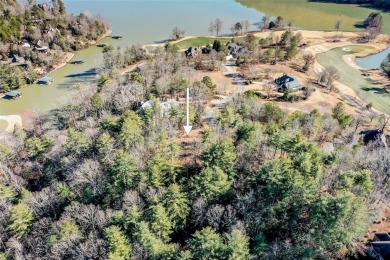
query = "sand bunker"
{"x": 11, "y": 121}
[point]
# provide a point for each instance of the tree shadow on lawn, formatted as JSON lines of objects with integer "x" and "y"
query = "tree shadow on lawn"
{"x": 372, "y": 82}
{"x": 376, "y": 90}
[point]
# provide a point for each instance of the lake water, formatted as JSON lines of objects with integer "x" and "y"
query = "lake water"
{"x": 373, "y": 61}
{"x": 140, "y": 22}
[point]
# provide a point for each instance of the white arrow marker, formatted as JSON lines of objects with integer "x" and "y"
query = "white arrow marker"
{"x": 188, "y": 127}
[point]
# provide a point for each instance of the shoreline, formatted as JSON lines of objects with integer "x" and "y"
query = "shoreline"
{"x": 366, "y": 54}
{"x": 69, "y": 55}
{"x": 28, "y": 115}
{"x": 356, "y": 56}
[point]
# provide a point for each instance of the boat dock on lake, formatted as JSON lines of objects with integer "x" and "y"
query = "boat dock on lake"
{"x": 77, "y": 62}
{"x": 45, "y": 81}
{"x": 12, "y": 95}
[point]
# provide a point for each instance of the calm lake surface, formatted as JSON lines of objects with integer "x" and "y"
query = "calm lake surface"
{"x": 373, "y": 61}
{"x": 149, "y": 21}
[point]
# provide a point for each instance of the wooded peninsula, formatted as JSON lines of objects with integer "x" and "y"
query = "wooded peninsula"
{"x": 35, "y": 38}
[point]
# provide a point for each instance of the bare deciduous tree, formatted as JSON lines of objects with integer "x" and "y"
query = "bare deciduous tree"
{"x": 89, "y": 217}
{"x": 132, "y": 199}
{"x": 265, "y": 20}
{"x": 332, "y": 74}
{"x": 309, "y": 59}
{"x": 199, "y": 209}
{"x": 269, "y": 88}
{"x": 214, "y": 216}
{"x": 218, "y": 24}
{"x": 177, "y": 33}
{"x": 384, "y": 120}
{"x": 246, "y": 24}
{"x": 338, "y": 25}
{"x": 88, "y": 174}
{"x": 211, "y": 28}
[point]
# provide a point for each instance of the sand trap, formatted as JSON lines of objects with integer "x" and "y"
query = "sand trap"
{"x": 3, "y": 125}
{"x": 346, "y": 49}
{"x": 317, "y": 49}
{"x": 11, "y": 121}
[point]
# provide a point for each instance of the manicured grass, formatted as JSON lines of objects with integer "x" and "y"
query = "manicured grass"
{"x": 316, "y": 15}
{"x": 353, "y": 78}
{"x": 200, "y": 41}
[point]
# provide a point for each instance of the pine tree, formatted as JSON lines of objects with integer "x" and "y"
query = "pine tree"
{"x": 61, "y": 7}
{"x": 156, "y": 247}
{"x": 210, "y": 183}
{"x": 97, "y": 103}
{"x": 77, "y": 143}
{"x": 69, "y": 230}
{"x": 177, "y": 206}
{"x": 238, "y": 246}
{"x": 20, "y": 220}
{"x": 160, "y": 223}
{"x": 123, "y": 175}
{"x": 36, "y": 146}
{"x": 7, "y": 192}
{"x": 131, "y": 129}
{"x": 105, "y": 146}
{"x": 222, "y": 155}
{"x": 207, "y": 245}
{"x": 119, "y": 245}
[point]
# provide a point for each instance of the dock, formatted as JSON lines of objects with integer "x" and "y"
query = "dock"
{"x": 45, "y": 81}
{"x": 12, "y": 95}
{"x": 77, "y": 62}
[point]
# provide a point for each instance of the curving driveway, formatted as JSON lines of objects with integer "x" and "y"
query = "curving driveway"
{"x": 240, "y": 83}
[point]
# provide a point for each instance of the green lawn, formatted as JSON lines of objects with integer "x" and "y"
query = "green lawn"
{"x": 200, "y": 41}
{"x": 363, "y": 86}
{"x": 316, "y": 15}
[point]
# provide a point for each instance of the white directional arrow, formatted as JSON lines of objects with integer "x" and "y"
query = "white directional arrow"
{"x": 188, "y": 127}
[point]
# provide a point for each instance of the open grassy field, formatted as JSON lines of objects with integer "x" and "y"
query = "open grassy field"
{"x": 314, "y": 15}
{"x": 203, "y": 41}
{"x": 200, "y": 41}
{"x": 353, "y": 78}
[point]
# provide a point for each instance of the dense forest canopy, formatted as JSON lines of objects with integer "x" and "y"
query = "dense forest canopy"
{"x": 105, "y": 179}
